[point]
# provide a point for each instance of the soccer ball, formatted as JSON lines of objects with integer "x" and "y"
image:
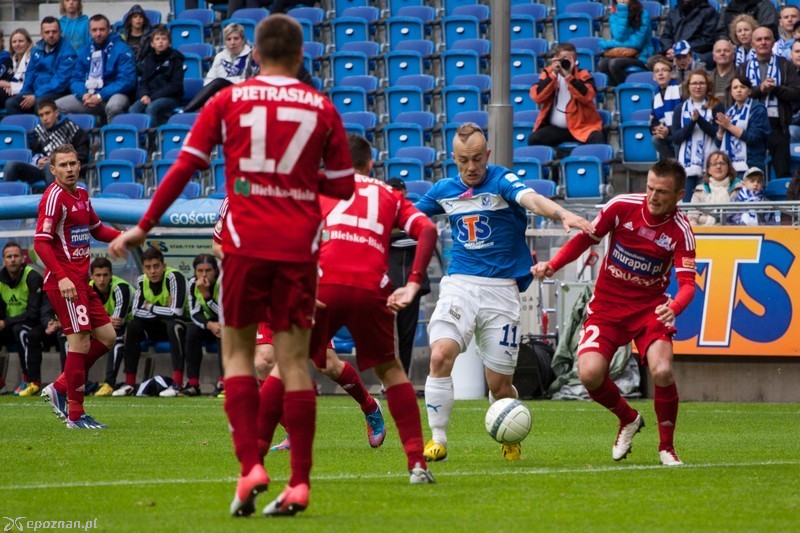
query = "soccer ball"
{"x": 508, "y": 421}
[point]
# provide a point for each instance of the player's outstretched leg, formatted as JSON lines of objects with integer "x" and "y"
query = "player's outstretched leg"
{"x": 593, "y": 372}
{"x": 403, "y": 406}
{"x": 348, "y": 379}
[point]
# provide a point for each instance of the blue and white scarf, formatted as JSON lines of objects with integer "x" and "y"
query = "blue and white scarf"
{"x": 694, "y": 151}
{"x": 663, "y": 106}
{"x": 743, "y": 56}
{"x": 783, "y": 48}
{"x": 750, "y": 218}
{"x": 96, "y": 67}
{"x": 754, "y": 75}
{"x": 733, "y": 146}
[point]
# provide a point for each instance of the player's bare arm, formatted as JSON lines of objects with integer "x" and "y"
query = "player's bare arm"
{"x": 548, "y": 208}
{"x": 541, "y": 271}
{"x": 131, "y": 238}
{"x": 402, "y": 297}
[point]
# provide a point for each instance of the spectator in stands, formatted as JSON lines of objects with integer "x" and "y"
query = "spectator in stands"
{"x": 566, "y": 96}
{"x": 20, "y": 304}
{"x": 630, "y": 44}
{"x": 665, "y": 101}
{"x": 158, "y": 315}
{"x": 6, "y": 65}
{"x": 723, "y": 71}
{"x": 794, "y": 127}
{"x": 136, "y": 32}
{"x": 741, "y": 34}
{"x": 752, "y": 190}
{"x": 776, "y": 85}
{"x": 685, "y": 61}
{"x": 760, "y": 12}
{"x": 51, "y": 131}
{"x": 11, "y": 84}
{"x": 49, "y": 71}
{"x": 116, "y": 295}
{"x": 744, "y": 130}
{"x": 105, "y": 74}
{"x": 160, "y": 88}
{"x": 401, "y": 259}
{"x": 720, "y": 185}
{"x": 74, "y": 24}
{"x": 694, "y": 130}
{"x": 204, "y": 306}
{"x": 790, "y": 15}
{"x": 233, "y": 5}
{"x": 693, "y": 21}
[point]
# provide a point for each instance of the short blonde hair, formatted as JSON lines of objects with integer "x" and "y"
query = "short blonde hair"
{"x": 736, "y": 20}
{"x": 233, "y": 27}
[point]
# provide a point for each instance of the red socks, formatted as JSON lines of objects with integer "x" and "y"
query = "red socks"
{"x": 75, "y": 375}
{"x": 300, "y": 409}
{"x": 130, "y": 379}
{"x": 607, "y": 395}
{"x": 270, "y": 410}
{"x": 96, "y": 350}
{"x": 194, "y": 382}
{"x": 666, "y": 405}
{"x": 350, "y": 381}
{"x": 403, "y": 405}
{"x": 241, "y": 406}
{"x": 177, "y": 377}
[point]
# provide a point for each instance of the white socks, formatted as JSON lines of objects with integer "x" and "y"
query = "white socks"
{"x": 439, "y": 399}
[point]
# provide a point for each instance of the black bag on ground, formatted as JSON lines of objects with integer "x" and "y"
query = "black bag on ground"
{"x": 534, "y": 373}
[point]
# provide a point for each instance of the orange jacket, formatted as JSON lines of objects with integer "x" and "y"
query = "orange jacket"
{"x": 582, "y": 116}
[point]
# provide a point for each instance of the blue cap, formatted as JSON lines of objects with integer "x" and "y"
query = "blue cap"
{"x": 681, "y": 48}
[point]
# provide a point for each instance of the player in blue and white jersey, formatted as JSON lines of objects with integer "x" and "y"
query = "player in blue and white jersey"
{"x": 489, "y": 266}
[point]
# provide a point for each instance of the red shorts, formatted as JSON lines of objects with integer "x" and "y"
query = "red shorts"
{"x": 367, "y": 318}
{"x": 604, "y": 332}
{"x": 250, "y": 287}
{"x": 84, "y": 314}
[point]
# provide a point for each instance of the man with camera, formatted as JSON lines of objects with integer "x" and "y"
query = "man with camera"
{"x": 566, "y": 96}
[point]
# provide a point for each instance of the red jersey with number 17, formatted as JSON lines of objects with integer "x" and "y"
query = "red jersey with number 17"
{"x": 357, "y": 234}
{"x": 641, "y": 253}
{"x": 66, "y": 220}
{"x": 274, "y": 132}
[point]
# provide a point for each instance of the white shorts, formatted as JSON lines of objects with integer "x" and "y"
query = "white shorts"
{"x": 487, "y": 308}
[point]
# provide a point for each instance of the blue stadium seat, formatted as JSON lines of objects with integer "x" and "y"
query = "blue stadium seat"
{"x": 479, "y": 11}
{"x": 218, "y": 174}
{"x": 191, "y": 191}
{"x": 425, "y": 82}
{"x": 632, "y": 97}
{"x": 171, "y": 136}
{"x": 397, "y": 135}
{"x": 16, "y": 154}
{"x": 655, "y": 9}
{"x": 348, "y": 99}
{"x": 183, "y": 118}
{"x": 365, "y": 119}
{"x": 192, "y": 66}
{"x": 425, "y": 154}
{"x": 636, "y": 143}
{"x": 537, "y": 11}
{"x": 396, "y": 5}
{"x": 546, "y": 188}
{"x": 423, "y": 46}
{"x": 136, "y": 156}
{"x": 481, "y": 118}
{"x": 522, "y": 131}
{"x": 457, "y": 63}
{"x": 586, "y": 59}
{"x": 418, "y": 187}
{"x": 85, "y": 121}
{"x": 406, "y": 168}
{"x": 561, "y": 5}
{"x": 448, "y": 6}
{"x": 523, "y": 62}
{"x": 455, "y": 27}
{"x": 128, "y": 130}
{"x": 400, "y": 29}
{"x": 641, "y": 77}
{"x": 526, "y": 116}
{"x": 369, "y": 13}
{"x": 426, "y": 14}
{"x": 204, "y": 50}
{"x": 481, "y": 46}
{"x": 523, "y": 27}
{"x": 256, "y": 14}
{"x": 345, "y": 64}
{"x": 315, "y": 15}
{"x": 775, "y": 189}
{"x": 20, "y": 188}
{"x": 582, "y": 177}
{"x": 482, "y": 81}
{"x": 314, "y": 49}
{"x": 528, "y": 168}
{"x": 190, "y": 89}
{"x": 525, "y": 79}
{"x": 349, "y": 29}
{"x": 424, "y": 119}
{"x": 458, "y": 98}
{"x": 340, "y": 5}
{"x": 153, "y": 16}
{"x": 370, "y": 48}
{"x": 113, "y": 171}
{"x": 402, "y": 63}
{"x": 186, "y": 32}
{"x": 521, "y": 98}
{"x": 570, "y": 26}
{"x": 592, "y": 43}
{"x": 132, "y": 191}
{"x": 401, "y": 98}
{"x": 596, "y": 10}
{"x": 536, "y": 45}
{"x": 27, "y": 122}
{"x": 545, "y": 154}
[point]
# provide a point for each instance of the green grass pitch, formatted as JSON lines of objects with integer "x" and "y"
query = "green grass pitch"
{"x": 168, "y": 465}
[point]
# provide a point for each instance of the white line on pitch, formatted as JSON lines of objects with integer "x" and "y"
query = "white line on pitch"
{"x": 528, "y": 472}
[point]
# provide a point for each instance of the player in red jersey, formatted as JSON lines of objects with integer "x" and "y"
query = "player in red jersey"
{"x": 274, "y": 132}
{"x": 649, "y": 235}
{"x": 65, "y": 224}
{"x": 355, "y": 291}
{"x": 337, "y": 370}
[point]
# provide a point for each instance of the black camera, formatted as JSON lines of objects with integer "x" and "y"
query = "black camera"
{"x": 566, "y": 64}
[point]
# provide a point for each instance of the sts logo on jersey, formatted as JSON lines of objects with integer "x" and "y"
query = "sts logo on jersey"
{"x": 473, "y": 230}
